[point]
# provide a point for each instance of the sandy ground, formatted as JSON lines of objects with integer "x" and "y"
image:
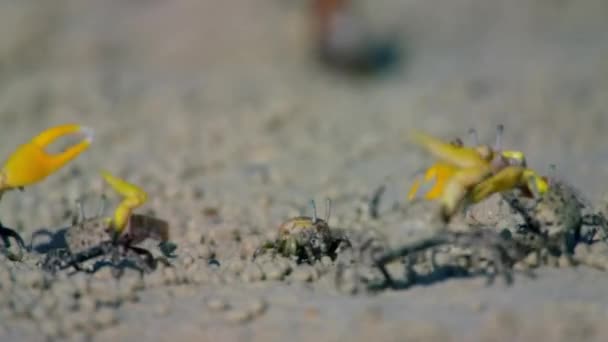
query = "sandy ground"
{"x": 218, "y": 110}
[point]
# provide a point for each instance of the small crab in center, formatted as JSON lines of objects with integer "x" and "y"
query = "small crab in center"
{"x": 117, "y": 236}
{"x": 307, "y": 238}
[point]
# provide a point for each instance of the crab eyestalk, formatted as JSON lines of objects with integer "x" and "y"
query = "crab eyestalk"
{"x": 133, "y": 197}
{"x": 313, "y": 205}
{"x": 31, "y": 163}
{"x": 327, "y": 209}
{"x": 473, "y": 136}
{"x": 500, "y": 131}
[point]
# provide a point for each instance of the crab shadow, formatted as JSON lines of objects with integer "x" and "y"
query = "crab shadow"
{"x": 438, "y": 275}
{"x": 55, "y": 239}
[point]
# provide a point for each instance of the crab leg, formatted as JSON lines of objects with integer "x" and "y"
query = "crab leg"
{"x": 30, "y": 162}
{"x": 133, "y": 198}
{"x": 508, "y": 178}
{"x": 436, "y": 178}
{"x": 457, "y": 188}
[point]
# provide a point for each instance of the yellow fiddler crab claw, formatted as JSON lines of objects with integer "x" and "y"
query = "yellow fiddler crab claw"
{"x": 133, "y": 197}
{"x": 31, "y": 163}
{"x": 134, "y": 228}
{"x": 471, "y": 174}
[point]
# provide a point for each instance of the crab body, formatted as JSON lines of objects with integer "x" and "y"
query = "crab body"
{"x": 557, "y": 220}
{"x": 89, "y": 238}
{"x": 306, "y": 239}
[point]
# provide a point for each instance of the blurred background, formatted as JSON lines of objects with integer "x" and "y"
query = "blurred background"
{"x": 243, "y": 92}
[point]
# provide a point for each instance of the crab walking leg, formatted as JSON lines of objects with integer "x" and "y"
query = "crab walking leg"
{"x": 508, "y": 178}
{"x": 133, "y": 198}
{"x": 434, "y": 178}
{"x": 30, "y": 162}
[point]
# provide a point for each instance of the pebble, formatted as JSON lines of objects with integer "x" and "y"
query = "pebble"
{"x": 188, "y": 260}
{"x": 326, "y": 261}
{"x": 272, "y": 271}
{"x": 236, "y": 266}
{"x": 257, "y": 307}
{"x": 305, "y": 273}
{"x": 87, "y": 304}
{"x": 252, "y": 273}
{"x": 105, "y": 317}
{"x": 564, "y": 262}
{"x": 170, "y": 275}
{"x": 162, "y": 309}
{"x": 205, "y": 252}
{"x": 50, "y": 328}
{"x": 217, "y": 304}
{"x": 532, "y": 259}
{"x": 238, "y": 316}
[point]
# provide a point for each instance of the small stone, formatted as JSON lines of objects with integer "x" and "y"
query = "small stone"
{"x": 185, "y": 291}
{"x": 326, "y": 261}
{"x": 477, "y": 306}
{"x": 257, "y": 307}
{"x": 188, "y": 260}
{"x": 87, "y": 304}
{"x": 205, "y": 252}
{"x": 252, "y": 273}
{"x": 442, "y": 259}
{"x": 249, "y": 245}
{"x": 236, "y": 266}
{"x": 33, "y": 279}
{"x": 238, "y": 316}
{"x": 104, "y": 273}
{"x": 581, "y": 250}
{"x": 304, "y": 274}
{"x": 162, "y": 309}
{"x": 48, "y": 302}
{"x": 49, "y": 328}
{"x": 105, "y": 317}
{"x": 532, "y": 259}
{"x": 217, "y": 304}
{"x": 38, "y": 313}
{"x": 170, "y": 276}
{"x": 565, "y": 261}
{"x": 272, "y": 271}
{"x": 199, "y": 277}
{"x": 80, "y": 282}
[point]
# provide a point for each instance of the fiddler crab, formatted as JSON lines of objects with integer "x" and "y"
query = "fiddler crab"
{"x": 307, "y": 238}
{"x": 30, "y": 163}
{"x": 555, "y": 216}
{"x": 467, "y": 175}
{"x": 117, "y": 236}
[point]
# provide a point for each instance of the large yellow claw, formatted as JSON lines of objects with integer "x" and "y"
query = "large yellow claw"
{"x": 30, "y": 162}
{"x": 133, "y": 197}
{"x": 462, "y": 157}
